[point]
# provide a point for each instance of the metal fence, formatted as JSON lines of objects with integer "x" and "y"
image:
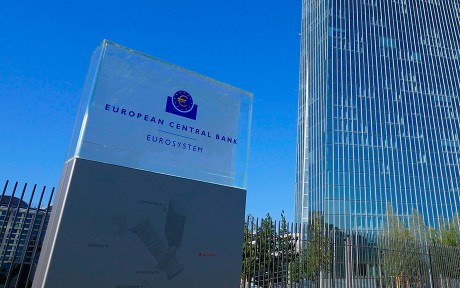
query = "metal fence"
{"x": 24, "y": 215}
{"x": 275, "y": 255}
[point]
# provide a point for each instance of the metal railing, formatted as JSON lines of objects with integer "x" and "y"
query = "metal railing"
{"x": 279, "y": 254}
{"x": 275, "y": 253}
{"x": 24, "y": 215}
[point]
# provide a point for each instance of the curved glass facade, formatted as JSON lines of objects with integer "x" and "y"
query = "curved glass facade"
{"x": 379, "y": 112}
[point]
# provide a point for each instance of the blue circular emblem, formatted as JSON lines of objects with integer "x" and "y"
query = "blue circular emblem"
{"x": 182, "y": 101}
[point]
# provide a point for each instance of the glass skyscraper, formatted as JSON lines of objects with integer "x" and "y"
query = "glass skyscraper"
{"x": 379, "y": 111}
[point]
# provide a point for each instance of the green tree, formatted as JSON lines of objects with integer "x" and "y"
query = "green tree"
{"x": 249, "y": 259}
{"x": 268, "y": 249}
{"x": 406, "y": 247}
{"x": 401, "y": 249}
{"x": 315, "y": 252}
{"x": 286, "y": 250}
{"x": 450, "y": 232}
{"x": 444, "y": 250}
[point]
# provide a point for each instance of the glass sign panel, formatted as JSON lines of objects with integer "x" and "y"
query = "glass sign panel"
{"x": 141, "y": 112}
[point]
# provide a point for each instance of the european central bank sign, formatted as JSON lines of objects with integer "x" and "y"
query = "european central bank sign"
{"x": 152, "y": 193}
{"x": 152, "y": 115}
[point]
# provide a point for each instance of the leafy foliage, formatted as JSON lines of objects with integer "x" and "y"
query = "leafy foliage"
{"x": 315, "y": 252}
{"x": 267, "y": 251}
{"x": 412, "y": 247}
{"x": 402, "y": 258}
{"x": 448, "y": 234}
{"x": 445, "y": 248}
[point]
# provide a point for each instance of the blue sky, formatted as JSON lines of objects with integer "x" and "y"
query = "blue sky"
{"x": 45, "y": 49}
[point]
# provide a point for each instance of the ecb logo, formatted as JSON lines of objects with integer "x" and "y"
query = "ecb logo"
{"x": 182, "y": 104}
